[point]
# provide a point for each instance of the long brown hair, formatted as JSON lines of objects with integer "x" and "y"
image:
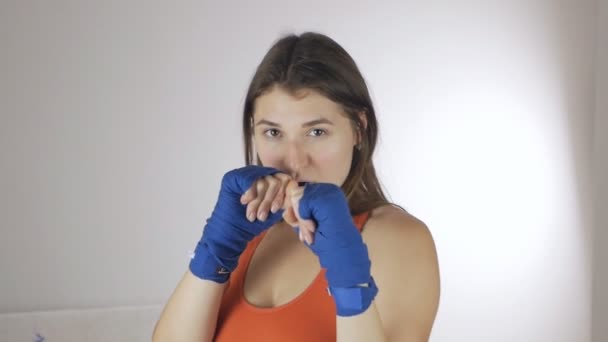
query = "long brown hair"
{"x": 315, "y": 61}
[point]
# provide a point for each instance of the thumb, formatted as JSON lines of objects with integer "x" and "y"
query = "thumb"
{"x": 289, "y": 215}
{"x": 295, "y": 194}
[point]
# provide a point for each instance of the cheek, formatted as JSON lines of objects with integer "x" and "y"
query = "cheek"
{"x": 269, "y": 155}
{"x": 333, "y": 154}
{"x": 334, "y": 162}
{"x": 338, "y": 149}
{"x": 271, "y": 160}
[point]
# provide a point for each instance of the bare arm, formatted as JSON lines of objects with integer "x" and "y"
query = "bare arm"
{"x": 406, "y": 269}
{"x": 190, "y": 315}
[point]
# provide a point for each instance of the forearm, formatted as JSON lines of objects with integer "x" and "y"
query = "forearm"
{"x": 366, "y": 326}
{"x": 191, "y": 312}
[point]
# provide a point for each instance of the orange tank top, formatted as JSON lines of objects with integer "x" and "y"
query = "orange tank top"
{"x": 311, "y": 316}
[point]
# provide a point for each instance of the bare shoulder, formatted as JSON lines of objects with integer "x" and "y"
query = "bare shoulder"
{"x": 392, "y": 215}
{"x": 388, "y": 224}
{"x": 405, "y": 268}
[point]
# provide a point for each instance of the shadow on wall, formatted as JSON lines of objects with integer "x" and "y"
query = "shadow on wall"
{"x": 577, "y": 91}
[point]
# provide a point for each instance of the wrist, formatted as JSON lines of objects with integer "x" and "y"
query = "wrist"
{"x": 205, "y": 265}
{"x": 351, "y": 301}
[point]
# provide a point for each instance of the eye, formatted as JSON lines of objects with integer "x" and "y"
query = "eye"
{"x": 322, "y": 132}
{"x": 276, "y": 132}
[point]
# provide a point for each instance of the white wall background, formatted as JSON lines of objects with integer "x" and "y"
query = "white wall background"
{"x": 118, "y": 120}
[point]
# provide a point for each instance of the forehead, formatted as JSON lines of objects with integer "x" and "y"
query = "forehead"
{"x": 279, "y": 105}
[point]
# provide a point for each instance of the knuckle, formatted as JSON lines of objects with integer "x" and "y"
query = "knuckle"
{"x": 272, "y": 180}
{"x": 283, "y": 177}
{"x": 261, "y": 185}
{"x": 255, "y": 202}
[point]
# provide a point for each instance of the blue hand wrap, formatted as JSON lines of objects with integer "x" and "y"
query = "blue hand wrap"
{"x": 352, "y": 301}
{"x": 340, "y": 247}
{"x": 228, "y": 231}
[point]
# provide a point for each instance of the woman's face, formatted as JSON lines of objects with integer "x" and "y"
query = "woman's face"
{"x": 308, "y": 137}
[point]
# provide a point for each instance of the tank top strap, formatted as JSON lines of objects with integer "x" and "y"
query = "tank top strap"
{"x": 361, "y": 219}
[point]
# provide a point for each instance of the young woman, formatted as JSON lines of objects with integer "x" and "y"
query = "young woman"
{"x": 303, "y": 245}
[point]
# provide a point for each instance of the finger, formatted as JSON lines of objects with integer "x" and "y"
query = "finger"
{"x": 271, "y": 191}
{"x": 279, "y": 198}
{"x": 253, "y": 206}
{"x": 294, "y": 197}
{"x": 306, "y": 228}
{"x": 309, "y": 228}
{"x": 289, "y": 216}
{"x": 306, "y": 225}
{"x": 248, "y": 195}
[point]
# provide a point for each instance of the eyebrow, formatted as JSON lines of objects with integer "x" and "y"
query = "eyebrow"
{"x": 306, "y": 124}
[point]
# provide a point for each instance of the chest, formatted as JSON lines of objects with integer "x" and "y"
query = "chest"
{"x": 281, "y": 269}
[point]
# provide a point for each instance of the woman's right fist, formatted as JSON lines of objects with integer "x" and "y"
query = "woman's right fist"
{"x": 266, "y": 194}
{"x": 228, "y": 231}
{"x": 273, "y": 193}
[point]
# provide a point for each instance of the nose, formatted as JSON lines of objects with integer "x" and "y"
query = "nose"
{"x": 296, "y": 159}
